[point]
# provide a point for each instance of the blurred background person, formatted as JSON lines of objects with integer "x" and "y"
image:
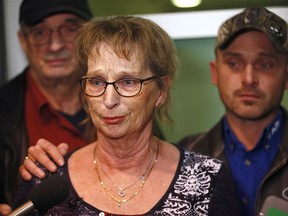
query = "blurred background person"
{"x": 251, "y": 73}
{"x": 42, "y": 101}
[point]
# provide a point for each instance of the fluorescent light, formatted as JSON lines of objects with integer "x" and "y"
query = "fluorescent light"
{"x": 186, "y": 3}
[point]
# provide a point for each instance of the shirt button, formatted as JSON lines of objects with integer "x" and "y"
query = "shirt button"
{"x": 267, "y": 146}
{"x": 245, "y": 201}
{"x": 247, "y": 162}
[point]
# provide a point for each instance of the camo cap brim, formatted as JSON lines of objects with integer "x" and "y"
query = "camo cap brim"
{"x": 259, "y": 19}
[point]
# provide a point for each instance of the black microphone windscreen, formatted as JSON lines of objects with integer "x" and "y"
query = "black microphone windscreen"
{"x": 51, "y": 192}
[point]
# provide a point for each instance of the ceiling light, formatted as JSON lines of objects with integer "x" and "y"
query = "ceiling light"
{"x": 186, "y": 3}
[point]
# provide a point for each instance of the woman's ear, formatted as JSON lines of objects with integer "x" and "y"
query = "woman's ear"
{"x": 163, "y": 92}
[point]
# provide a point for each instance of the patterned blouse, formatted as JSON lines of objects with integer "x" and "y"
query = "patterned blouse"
{"x": 201, "y": 186}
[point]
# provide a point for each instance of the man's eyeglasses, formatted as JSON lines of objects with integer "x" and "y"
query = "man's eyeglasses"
{"x": 126, "y": 87}
{"x": 40, "y": 36}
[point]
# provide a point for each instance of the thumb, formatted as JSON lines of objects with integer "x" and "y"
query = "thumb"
{"x": 5, "y": 209}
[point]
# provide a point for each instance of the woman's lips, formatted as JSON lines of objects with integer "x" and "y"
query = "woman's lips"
{"x": 113, "y": 120}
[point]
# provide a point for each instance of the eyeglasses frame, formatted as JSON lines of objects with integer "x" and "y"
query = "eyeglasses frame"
{"x": 115, "y": 87}
{"x": 71, "y": 22}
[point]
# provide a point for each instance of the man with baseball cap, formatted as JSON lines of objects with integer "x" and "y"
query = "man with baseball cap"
{"x": 42, "y": 101}
{"x": 251, "y": 73}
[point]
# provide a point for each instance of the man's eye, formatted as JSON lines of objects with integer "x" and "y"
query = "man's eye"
{"x": 70, "y": 28}
{"x": 264, "y": 65}
{"x": 39, "y": 32}
{"x": 234, "y": 64}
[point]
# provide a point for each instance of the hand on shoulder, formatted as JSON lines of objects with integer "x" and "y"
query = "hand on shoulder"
{"x": 47, "y": 154}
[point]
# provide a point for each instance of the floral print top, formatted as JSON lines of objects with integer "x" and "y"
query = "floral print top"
{"x": 201, "y": 186}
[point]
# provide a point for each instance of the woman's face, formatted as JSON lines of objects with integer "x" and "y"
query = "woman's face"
{"x": 113, "y": 115}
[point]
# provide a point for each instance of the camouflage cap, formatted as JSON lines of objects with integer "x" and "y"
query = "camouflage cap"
{"x": 259, "y": 19}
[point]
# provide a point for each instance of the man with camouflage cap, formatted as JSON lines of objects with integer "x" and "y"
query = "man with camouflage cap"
{"x": 251, "y": 73}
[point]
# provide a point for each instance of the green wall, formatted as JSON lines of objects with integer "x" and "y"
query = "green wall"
{"x": 195, "y": 104}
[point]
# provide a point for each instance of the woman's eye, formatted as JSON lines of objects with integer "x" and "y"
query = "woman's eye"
{"x": 128, "y": 82}
{"x": 96, "y": 82}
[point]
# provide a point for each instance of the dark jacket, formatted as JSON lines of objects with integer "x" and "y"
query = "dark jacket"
{"x": 13, "y": 136}
{"x": 275, "y": 182}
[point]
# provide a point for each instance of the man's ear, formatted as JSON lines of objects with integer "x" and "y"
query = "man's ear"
{"x": 214, "y": 72}
{"x": 286, "y": 73}
{"x": 23, "y": 41}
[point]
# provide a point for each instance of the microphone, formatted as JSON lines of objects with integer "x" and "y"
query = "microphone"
{"x": 274, "y": 206}
{"x": 51, "y": 192}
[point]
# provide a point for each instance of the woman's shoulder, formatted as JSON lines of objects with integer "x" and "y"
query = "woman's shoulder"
{"x": 197, "y": 161}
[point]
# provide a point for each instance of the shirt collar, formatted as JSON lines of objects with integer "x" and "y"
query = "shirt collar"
{"x": 271, "y": 134}
{"x": 40, "y": 102}
{"x": 39, "y": 98}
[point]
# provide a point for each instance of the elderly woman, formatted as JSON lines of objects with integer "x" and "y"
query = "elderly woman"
{"x": 130, "y": 63}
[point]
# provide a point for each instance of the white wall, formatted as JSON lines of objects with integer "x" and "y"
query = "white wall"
{"x": 15, "y": 58}
{"x": 201, "y": 23}
{"x": 178, "y": 25}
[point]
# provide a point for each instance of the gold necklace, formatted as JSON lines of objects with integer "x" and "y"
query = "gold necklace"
{"x": 143, "y": 178}
{"x": 122, "y": 190}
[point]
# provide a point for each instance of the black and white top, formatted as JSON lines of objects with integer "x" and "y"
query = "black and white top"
{"x": 201, "y": 186}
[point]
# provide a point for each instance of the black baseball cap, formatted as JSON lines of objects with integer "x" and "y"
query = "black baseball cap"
{"x": 34, "y": 11}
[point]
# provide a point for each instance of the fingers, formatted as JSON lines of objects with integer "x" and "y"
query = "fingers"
{"x": 47, "y": 154}
{"x": 28, "y": 168}
{"x": 5, "y": 209}
{"x": 26, "y": 174}
{"x": 63, "y": 148}
{"x": 44, "y": 152}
